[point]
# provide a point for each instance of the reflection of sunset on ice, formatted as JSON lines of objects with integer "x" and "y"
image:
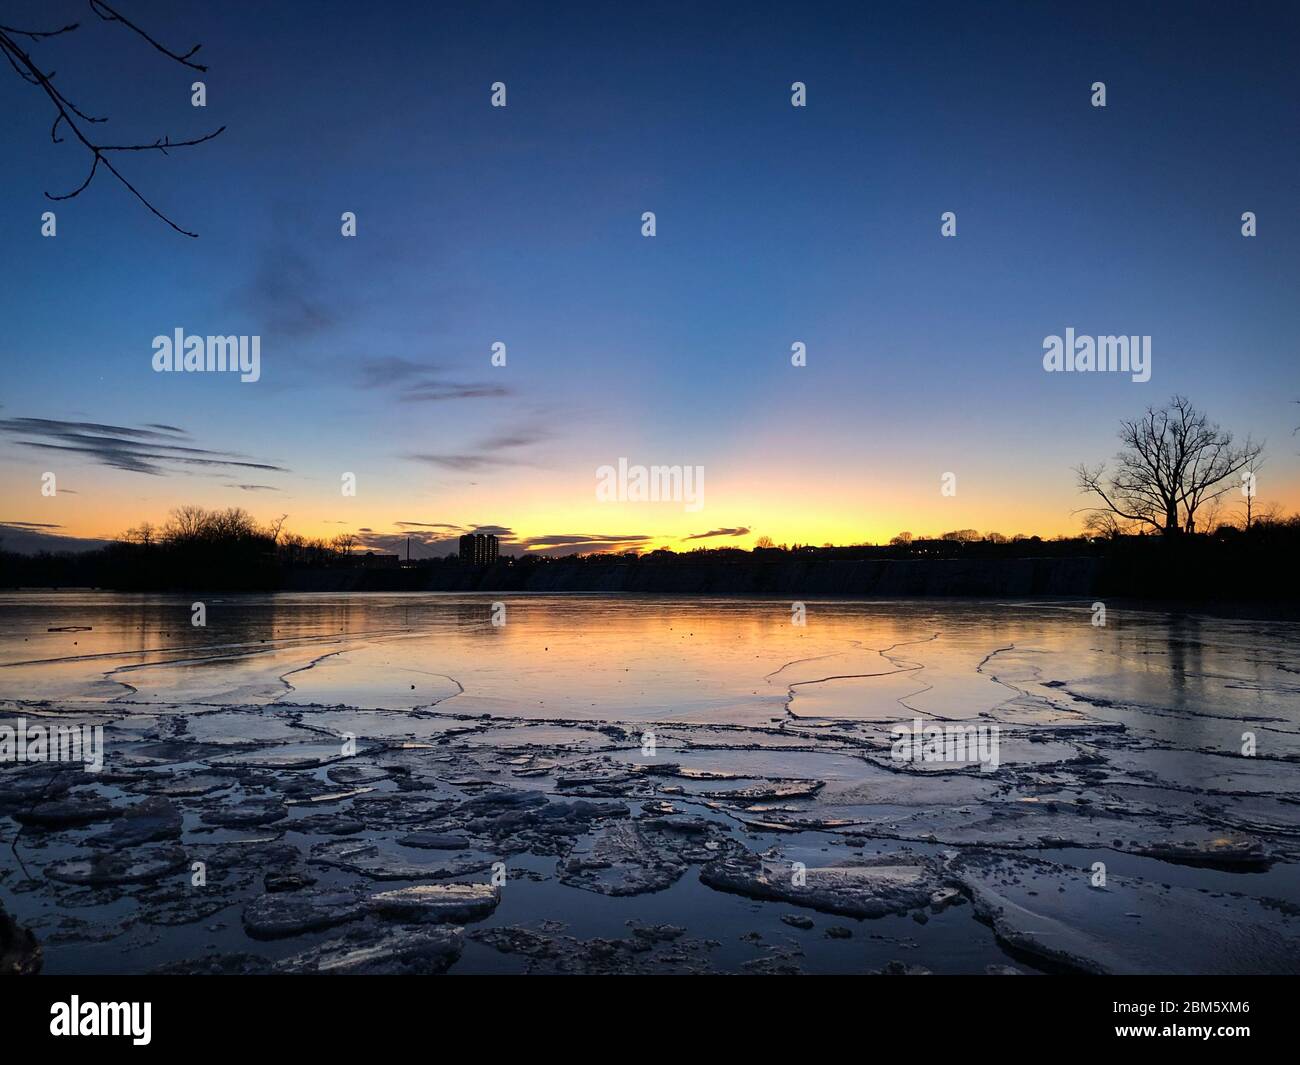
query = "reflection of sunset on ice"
{"x": 612, "y": 488}
{"x": 379, "y": 762}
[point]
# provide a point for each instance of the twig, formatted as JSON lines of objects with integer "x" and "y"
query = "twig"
{"x": 68, "y": 112}
{"x": 99, "y": 7}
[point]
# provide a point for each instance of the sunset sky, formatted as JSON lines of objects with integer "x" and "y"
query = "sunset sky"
{"x": 523, "y": 225}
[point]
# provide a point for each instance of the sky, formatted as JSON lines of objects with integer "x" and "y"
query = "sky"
{"x": 522, "y": 225}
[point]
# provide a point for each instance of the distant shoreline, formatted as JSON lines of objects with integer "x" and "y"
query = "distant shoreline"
{"x": 1196, "y": 577}
{"x": 1241, "y": 609}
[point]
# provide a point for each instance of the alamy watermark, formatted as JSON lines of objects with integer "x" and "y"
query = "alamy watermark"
{"x": 651, "y": 484}
{"x": 179, "y": 353}
{"x": 77, "y": 1018}
{"x": 1113, "y": 354}
{"x": 20, "y": 742}
{"x": 919, "y": 742}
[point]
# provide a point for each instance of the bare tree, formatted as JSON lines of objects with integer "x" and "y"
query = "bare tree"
{"x": 68, "y": 115}
{"x": 1268, "y": 514}
{"x": 274, "y": 528}
{"x": 1102, "y": 523}
{"x": 344, "y": 543}
{"x": 1213, "y": 516}
{"x": 186, "y": 523}
{"x": 143, "y": 534}
{"x": 231, "y": 525}
{"x": 293, "y": 546}
{"x": 1173, "y": 462}
{"x": 1250, "y": 476}
{"x": 901, "y": 539}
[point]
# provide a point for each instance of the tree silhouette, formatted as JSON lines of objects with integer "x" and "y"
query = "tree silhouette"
{"x": 1174, "y": 461}
{"x": 68, "y": 115}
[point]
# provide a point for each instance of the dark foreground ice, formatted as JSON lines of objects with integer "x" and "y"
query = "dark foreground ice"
{"x": 611, "y": 784}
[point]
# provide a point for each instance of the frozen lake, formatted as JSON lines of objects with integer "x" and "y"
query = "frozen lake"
{"x": 673, "y": 759}
{"x": 649, "y": 658}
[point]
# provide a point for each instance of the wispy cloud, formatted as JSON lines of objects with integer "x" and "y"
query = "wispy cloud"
{"x": 389, "y": 371}
{"x": 154, "y": 450}
{"x": 490, "y": 453}
{"x": 284, "y": 294}
{"x": 571, "y": 543}
{"x": 464, "y": 462}
{"x": 440, "y": 393}
{"x": 417, "y": 382}
{"x": 739, "y": 531}
{"x": 431, "y": 544}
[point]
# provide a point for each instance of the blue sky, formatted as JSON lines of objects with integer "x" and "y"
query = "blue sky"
{"x": 775, "y": 224}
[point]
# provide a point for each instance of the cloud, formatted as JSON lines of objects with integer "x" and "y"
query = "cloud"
{"x": 411, "y": 381}
{"x": 445, "y": 540}
{"x": 429, "y": 544}
{"x": 741, "y": 531}
{"x": 440, "y": 393}
{"x": 395, "y": 544}
{"x": 519, "y": 438}
{"x": 416, "y": 382}
{"x": 462, "y": 462}
{"x": 39, "y": 425}
{"x": 485, "y": 455}
{"x": 28, "y": 538}
{"x": 390, "y": 370}
{"x": 157, "y": 451}
{"x": 253, "y": 487}
{"x": 285, "y": 294}
{"x": 581, "y": 543}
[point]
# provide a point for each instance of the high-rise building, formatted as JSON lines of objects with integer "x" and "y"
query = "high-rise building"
{"x": 479, "y": 549}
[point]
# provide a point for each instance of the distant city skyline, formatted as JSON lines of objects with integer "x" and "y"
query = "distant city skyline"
{"x": 522, "y": 226}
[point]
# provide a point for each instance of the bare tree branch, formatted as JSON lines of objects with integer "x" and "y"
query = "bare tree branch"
{"x": 67, "y": 113}
{"x": 99, "y": 8}
{"x": 160, "y": 145}
{"x": 39, "y": 35}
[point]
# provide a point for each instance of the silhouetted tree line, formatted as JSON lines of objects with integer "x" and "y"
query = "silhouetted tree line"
{"x": 196, "y": 548}
{"x": 1170, "y": 526}
{"x": 228, "y": 551}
